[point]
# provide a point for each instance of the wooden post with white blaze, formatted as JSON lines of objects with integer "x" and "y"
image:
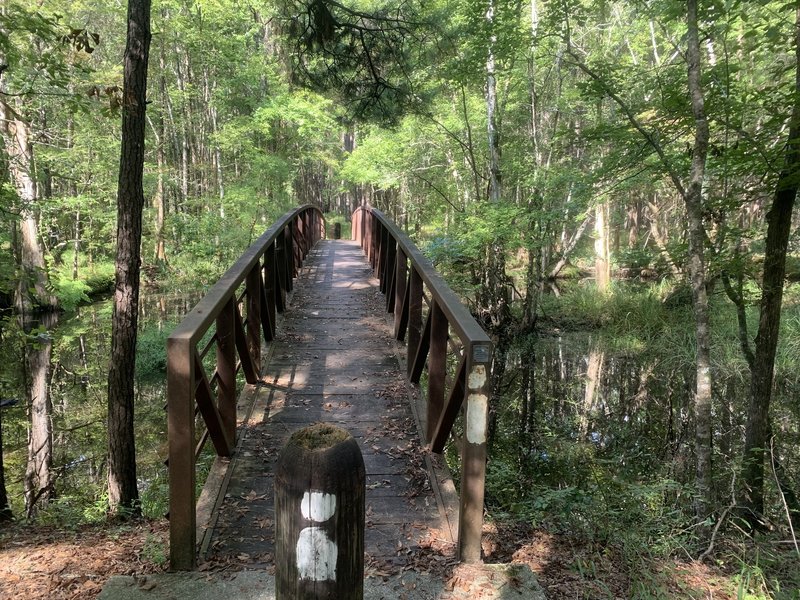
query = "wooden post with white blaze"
{"x": 473, "y": 453}
{"x": 320, "y": 488}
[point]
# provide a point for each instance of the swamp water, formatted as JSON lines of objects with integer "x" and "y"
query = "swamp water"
{"x": 78, "y": 345}
{"x": 585, "y": 416}
{"x": 572, "y": 402}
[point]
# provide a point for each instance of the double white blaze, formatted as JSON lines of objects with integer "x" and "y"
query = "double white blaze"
{"x": 477, "y": 406}
{"x": 316, "y": 552}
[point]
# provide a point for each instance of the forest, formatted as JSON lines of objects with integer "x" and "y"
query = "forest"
{"x": 608, "y": 186}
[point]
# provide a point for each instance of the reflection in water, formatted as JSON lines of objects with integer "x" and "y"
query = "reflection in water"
{"x": 573, "y": 389}
{"x": 56, "y": 449}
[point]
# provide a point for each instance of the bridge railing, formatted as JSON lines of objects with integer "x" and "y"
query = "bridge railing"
{"x": 436, "y": 327}
{"x": 233, "y": 319}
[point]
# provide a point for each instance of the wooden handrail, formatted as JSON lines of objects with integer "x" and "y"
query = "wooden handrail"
{"x": 241, "y": 320}
{"x": 404, "y": 274}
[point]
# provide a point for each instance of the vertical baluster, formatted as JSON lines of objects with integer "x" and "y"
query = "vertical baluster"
{"x": 291, "y": 267}
{"x": 308, "y": 232}
{"x": 270, "y": 284}
{"x": 364, "y": 226}
{"x": 180, "y": 433}
{"x": 414, "y": 317}
{"x": 390, "y": 272}
{"x": 386, "y": 242}
{"x": 373, "y": 238}
{"x": 280, "y": 271}
{"x": 253, "y": 284}
{"x": 400, "y": 295}
{"x": 437, "y": 366}
{"x": 302, "y": 249}
{"x": 226, "y": 367}
{"x": 379, "y": 250}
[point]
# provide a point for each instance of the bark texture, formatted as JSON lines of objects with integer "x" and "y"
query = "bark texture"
{"x": 122, "y": 489}
{"x": 693, "y": 199}
{"x": 779, "y": 221}
{"x": 39, "y": 479}
{"x": 5, "y": 508}
{"x": 16, "y": 134}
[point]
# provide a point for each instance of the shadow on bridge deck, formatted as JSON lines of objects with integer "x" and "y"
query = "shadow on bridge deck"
{"x": 334, "y": 360}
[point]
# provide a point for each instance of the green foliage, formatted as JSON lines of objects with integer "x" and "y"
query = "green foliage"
{"x": 155, "y": 497}
{"x": 35, "y": 47}
{"x": 633, "y": 312}
{"x": 635, "y": 258}
{"x": 331, "y": 219}
{"x": 151, "y": 352}
{"x": 75, "y": 510}
{"x": 155, "y": 551}
{"x": 71, "y": 292}
{"x": 362, "y": 55}
{"x": 635, "y": 522}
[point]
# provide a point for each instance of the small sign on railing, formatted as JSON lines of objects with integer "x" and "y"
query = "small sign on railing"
{"x": 480, "y": 354}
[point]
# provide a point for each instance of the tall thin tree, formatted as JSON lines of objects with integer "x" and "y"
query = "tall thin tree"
{"x": 693, "y": 199}
{"x": 123, "y": 494}
{"x": 779, "y": 226}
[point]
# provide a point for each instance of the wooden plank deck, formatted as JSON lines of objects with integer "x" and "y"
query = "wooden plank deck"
{"x": 334, "y": 360}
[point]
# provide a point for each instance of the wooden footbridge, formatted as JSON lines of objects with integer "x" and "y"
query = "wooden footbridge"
{"x": 297, "y": 332}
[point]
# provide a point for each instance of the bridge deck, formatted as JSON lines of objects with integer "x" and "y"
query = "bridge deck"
{"x": 334, "y": 360}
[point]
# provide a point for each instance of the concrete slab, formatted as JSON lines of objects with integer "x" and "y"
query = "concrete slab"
{"x": 467, "y": 582}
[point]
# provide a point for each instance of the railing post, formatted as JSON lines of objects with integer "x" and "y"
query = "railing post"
{"x": 379, "y": 250}
{"x": 270, "y": 285}
{"x": 291, "y": 267}
{"x": 226, "y": 368}
{"x": 281, "y": 270}
{"x": 253, "y": 284}
{"x": 473, "y": 453}
{"x": 180, "y": 432}
{"x": 414, "y": 317}
{"x": 437, "y": 367}
{"x": 383, "y": 269}
{"x": 300, "y": 228}
{"x": 374, "y": 236}
{"x": 391, "y": 272}
{"x": 400, "y": 289}
{"x": 355, "y": 227}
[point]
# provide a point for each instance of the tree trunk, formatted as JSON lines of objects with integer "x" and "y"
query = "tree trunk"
{"x": 693, "y": 199}
{"x": 39, "y": 479}
{"x": 779, "y": 222}
{"x": 5, "y": 508}
{"x": 602, "y": 252}
{"x": 16, "y": 133}
{"x": 491, "y": 115}
{"x": 160, "y": 199}
{"x": 122, "y": 491}
{"x": 496, "y": 300}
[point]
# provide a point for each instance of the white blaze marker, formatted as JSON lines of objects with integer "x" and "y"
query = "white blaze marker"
{"x": 477, "y": 377}
{"x": 316, "y": 555}
{"x": 318, "y": 506}
{"x": 477, "y": 408}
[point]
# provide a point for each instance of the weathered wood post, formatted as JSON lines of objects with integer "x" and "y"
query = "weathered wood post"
{"x": 319, "y": 516}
